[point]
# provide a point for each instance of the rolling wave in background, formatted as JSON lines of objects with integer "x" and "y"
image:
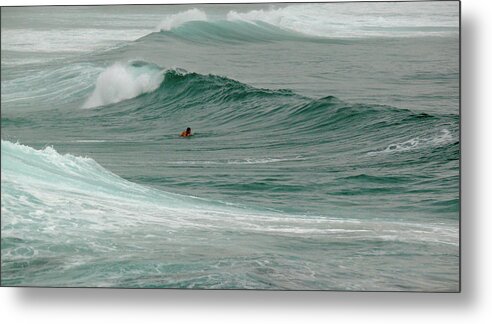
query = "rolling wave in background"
{"x": 310, "y": 20}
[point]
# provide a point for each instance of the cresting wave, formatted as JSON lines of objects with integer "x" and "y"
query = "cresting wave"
{"x": 160, "y": 94}
{"x": 292, "y": 19}
{"x": 235, "y": 32}
{"x": 67, "y": 214}
{"x": 178, "y": 19}
{"x": 124, "y": 81}
{"x": 154, "y": 93}
{"x": 44, "y": 178}
{"x": 147, "y": 90}
{"x": 67, "y": 191}
{"x": 72, "y": 82}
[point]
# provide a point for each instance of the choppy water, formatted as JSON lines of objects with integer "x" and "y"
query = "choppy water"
{"x": 325, "y": 155}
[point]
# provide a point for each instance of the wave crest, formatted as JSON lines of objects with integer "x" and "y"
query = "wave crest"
{"x": 124, "y": 81}
{"x": 310, "y": 19}
{"x": 179, "y": 19}
{"x": 176, "y": 94}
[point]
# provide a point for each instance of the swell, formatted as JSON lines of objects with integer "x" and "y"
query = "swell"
{"x": 234, "y": 32}
{"x": 196, "y": 26}
{"x": 151, "y": 95}
{"x": 202, "y": 100}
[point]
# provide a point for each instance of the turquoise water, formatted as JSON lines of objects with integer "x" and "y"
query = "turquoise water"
{"x": 325, "y": 152}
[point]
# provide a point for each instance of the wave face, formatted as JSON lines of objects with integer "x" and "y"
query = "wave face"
{"x": 235, "y": 32}
{"x": 199, "y": 98}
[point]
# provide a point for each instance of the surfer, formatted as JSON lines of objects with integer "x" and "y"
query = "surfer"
{"x": 186, "y": 133}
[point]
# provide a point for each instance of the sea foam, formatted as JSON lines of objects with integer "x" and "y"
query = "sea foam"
{"x": 73, "y": 188}
{"x": 443, "y": 137}
{"x": 311, "y": 19}
{"x": 124, "y": 81}
{"x": 178, "y": 19}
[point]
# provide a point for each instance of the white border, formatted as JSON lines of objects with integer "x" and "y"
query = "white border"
{"x": 23, "y": 305}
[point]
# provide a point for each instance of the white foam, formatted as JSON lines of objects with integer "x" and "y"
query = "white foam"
{"x": 242, "y": 161}
{"x": 178, "y": 19}
{"x": 64, "y": 196}
{"x": 443, "y": 137}
{"x": 123, "y": 81}
{"x": 90, "y": 141}
{"x": 357, "y": 19}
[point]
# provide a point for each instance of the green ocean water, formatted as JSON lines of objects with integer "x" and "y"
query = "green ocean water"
{"x": 325, "y": 153}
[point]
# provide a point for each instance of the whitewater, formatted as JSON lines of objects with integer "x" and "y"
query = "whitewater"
{"x": 325, "y": 153}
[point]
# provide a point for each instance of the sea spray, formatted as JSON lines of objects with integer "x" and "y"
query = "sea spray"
{"x": 124, "y": 81}
{"x": 179, "y": 19}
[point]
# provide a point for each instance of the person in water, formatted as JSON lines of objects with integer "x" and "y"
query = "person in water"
{"x": 186, "y": 133}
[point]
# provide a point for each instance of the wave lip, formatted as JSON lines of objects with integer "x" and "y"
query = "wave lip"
{"x": 179, "y": 19}
{"x": 236, "y": 31}
{"x": 159, "y": 93}
{"x": 124, "y": 81}
{"x": 308, "y": 23}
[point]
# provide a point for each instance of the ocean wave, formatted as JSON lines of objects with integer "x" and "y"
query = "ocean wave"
{"x": 66, "y": 84}
{"x": 309, "y": 20}
{"x": 236, "y": 32}
{"x": 92, "y": 85}
{"x": 179, "y": 19}
{"x": 124, "y": 81}
{"x": 63, "y": 212}
{"x": 151, "y": 93}
{"x": 47, "y": 176}
{"x": 66, "y": 188}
